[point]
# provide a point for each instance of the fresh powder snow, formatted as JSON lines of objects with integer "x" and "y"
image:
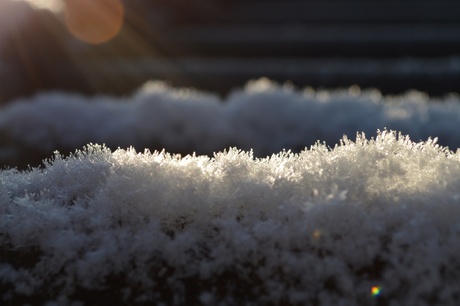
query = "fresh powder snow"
{"x": 264, "y": 116}
{"x": 372, "y": 221}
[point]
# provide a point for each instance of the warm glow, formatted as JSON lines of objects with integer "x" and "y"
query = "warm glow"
{"x": 52, "y": 5}
{"x": 94, "y": 21}
{"x": 317, "y": 234}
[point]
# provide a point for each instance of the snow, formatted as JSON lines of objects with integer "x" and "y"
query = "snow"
{"x": 327, "y": 226}
{"x": 264, "y": 116}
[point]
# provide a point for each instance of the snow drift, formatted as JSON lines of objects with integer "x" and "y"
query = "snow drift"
{"x": 369, "y": 222}
{"x": 264, "y": 117}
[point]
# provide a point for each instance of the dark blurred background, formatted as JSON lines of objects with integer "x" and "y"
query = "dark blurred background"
{"x": 217, "y": 45}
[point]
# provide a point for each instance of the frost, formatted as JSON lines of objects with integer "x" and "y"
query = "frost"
{"x": 321, "y": 227}
{"x": 264, "y": 117}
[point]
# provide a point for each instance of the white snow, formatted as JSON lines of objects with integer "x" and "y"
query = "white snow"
{"x": 322, "y": 227}
{"x": 265, "y": 117}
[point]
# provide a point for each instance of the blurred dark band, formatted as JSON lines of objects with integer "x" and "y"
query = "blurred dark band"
{"x": 218, "y": 45}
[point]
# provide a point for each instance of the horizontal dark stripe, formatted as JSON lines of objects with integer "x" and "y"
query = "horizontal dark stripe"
{"x": 359, "y": 11}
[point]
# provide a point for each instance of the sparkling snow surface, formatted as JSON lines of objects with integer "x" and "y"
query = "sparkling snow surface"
{"x": 264, "y": 117}
{"x": 369, "y": 222}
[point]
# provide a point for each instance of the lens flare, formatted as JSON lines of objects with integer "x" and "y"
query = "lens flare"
{"x": 375, "y": 291}
{"x": 94, "y": 21}
{"x": 317, "y": 234}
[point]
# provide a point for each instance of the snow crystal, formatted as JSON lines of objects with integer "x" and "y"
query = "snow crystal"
{"x": 373, "y": 221}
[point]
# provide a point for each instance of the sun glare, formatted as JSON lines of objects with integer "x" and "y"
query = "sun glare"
{"x": 94, "y": 22}
{"x": 52, "y": 5}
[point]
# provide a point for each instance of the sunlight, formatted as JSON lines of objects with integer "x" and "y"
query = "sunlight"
{"x": 94, "y": 22}
{"x": 52, "y": 5}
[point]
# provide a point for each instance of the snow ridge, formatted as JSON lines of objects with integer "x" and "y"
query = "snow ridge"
{"x": 265, "y": 117}
{"x": 369, "y": 222}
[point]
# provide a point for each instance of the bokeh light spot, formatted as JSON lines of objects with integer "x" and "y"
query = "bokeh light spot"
{"x": 317, "y": 234}
{"x": 375, "y": 291}
{"x": 94, "y": 21}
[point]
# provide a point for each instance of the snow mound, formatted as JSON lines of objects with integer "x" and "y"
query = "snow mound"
{"x": 369, "y": 222}
{"x": 265, "y": 117}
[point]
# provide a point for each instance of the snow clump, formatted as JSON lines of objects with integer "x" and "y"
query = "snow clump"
{"x": 369, "y": 222}
{"x": 265, "y": 117}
